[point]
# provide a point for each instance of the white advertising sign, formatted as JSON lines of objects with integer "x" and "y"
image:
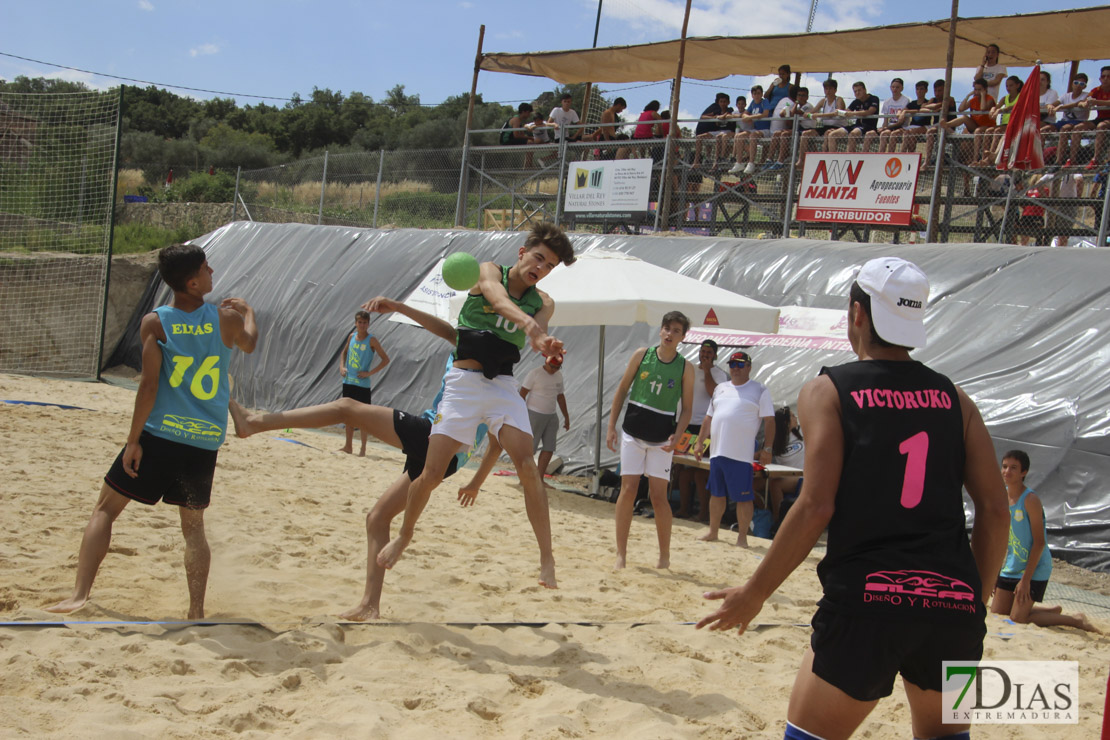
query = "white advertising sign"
{"x": 617, "y": 186}
{"x": 868, "y": 188}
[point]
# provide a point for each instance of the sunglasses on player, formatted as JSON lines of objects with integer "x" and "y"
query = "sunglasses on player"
{"x": 737, "y": 363}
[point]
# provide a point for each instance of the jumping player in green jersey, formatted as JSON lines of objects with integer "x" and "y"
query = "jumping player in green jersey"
{"x": 502, "y": 313}
{"x": 656, "y": 379}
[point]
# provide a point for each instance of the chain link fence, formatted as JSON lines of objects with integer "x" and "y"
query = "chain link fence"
{"x": 720, "y": 186}
{"x": 405, "y": 188}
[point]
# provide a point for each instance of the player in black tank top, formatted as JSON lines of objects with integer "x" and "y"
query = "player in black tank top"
{"x": 889, "y": 443}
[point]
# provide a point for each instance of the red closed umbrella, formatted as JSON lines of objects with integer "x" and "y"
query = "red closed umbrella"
{"x": 1021, "y": 147}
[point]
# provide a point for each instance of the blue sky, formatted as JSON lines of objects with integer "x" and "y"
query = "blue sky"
{"x": 280, "y": 47}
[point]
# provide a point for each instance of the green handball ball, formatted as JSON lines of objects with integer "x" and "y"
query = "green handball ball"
{"x": 460, "y": 271}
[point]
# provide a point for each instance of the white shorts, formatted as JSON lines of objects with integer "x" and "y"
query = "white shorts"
{"x": 643, "y": 458}
{"x": 469, "y": 399}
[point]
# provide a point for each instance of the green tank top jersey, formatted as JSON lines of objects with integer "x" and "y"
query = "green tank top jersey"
{"x": 478, "y": 314}
{"x": 653, "y": 398}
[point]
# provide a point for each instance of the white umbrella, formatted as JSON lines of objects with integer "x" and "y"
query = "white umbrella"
{"x": 612, "y": 288}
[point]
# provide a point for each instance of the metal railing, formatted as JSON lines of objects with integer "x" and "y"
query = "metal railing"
{"x": 491, "y": 186}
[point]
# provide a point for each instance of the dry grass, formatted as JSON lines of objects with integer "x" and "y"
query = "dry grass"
{"x": 336, "y": 195}
{"x": 128, "y": 183}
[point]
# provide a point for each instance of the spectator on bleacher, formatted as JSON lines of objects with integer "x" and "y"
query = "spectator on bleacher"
{"x": 991, "y": 71}
{"x": 992, "y": 135}
{"x": 647, "y": 129}
{"x": 607, "y": 131}
{"x": 782, "y": 127}
{"x": 889, "y": 130}
{"x": 1099, "y": 100}
{"x": 915, "y": 118}
{"x": 1030, "y": 225}
{"x": 513, "y": 131}
{"x": 713, "y": 125}
{"x": 828, "y": 112}
{"x": 517, "y": 130}
{"x": 864, "y": 105}
{"x": 976, "y": 108}
{"x": 1072, "y": 114}
{"x": 562, "y": 116}
{"x": 779, "y": 87}
{"x": 1049, "y": 98}
{"x": 758, "y": 114}
{"x": 936, "y": 104}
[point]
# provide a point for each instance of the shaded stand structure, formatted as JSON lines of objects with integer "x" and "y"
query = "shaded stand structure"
{"x": 1050, "y": 37}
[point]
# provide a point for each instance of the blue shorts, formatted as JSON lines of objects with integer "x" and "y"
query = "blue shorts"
{"x": 732, "y": 478}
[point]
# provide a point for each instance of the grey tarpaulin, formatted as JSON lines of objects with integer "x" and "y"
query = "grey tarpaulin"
{"x": 1022, "y": 329}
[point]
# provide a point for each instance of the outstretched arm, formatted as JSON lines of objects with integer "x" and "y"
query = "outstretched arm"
{"x": 434, "y": 324}
{"x": 619, "y": 396}
{"x": 687, "y": 406}
{"x": 469, "y": 492}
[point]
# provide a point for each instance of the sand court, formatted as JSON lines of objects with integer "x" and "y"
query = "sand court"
{"x": 471, "y": 645}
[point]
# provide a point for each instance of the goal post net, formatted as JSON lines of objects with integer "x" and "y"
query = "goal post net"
{"x": 57, "y": 184}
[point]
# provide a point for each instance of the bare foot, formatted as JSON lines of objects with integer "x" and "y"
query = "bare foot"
{"x": 742, "y": 541}
{"x": 547, "y": 575}
{"x": 196, "y": 614}
{"x": 362, "y": 452}
{"x": 72, "y": 604}
{"x": 240, "y": 419}
{"x": 391, "y": 553}
{"x": 664, "y": 563}
{"x": 361, "y": 613}
{"x": 1085, "y": 624}
{"x": 620, "y": 563}
{"x": 708, "y": 537}
{"x": 348, "y": 450}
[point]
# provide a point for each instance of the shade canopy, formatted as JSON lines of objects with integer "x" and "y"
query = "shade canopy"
{"x": 1051, "y": 37}
{"x": 608, "y": 288}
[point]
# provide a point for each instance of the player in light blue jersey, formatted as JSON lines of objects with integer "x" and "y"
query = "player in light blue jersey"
{"x": 179, "y": 419}
{"x": 408, "y": 432}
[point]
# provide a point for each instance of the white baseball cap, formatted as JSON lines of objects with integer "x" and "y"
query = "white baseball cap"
{"x": 899, "y": 291}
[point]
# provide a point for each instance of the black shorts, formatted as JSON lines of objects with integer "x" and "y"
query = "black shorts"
{"x": 1029, "y": 223}
{"x": 413, "y": 431}
{"x": 173, "y": 472}
{"x": 357, "y": 392}
{"x": 1036, "y": 588}
{"x": 862, "y": 655}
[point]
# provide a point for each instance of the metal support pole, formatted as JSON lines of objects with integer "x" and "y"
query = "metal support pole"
{"x": 378, "y": 190}
{"x": 795, "y": 138}
{"x": 562, "y": 177}
{"x": 930, "y": 232}
{"x": 931, "y": 227}
{"x": 323, "y": 186}
{"x": 460, "y": 204}
{"x": 597, "y": 419}
{"x": 672, "y": 131}
{"x": 1105, "y": 215}
{"x": 111, "y": 234}
{"x": 663, "y": 176}
{"x": 1006, "y": 211}
{"x": 81, "y": 192}
{"x": 235, "y": 200}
